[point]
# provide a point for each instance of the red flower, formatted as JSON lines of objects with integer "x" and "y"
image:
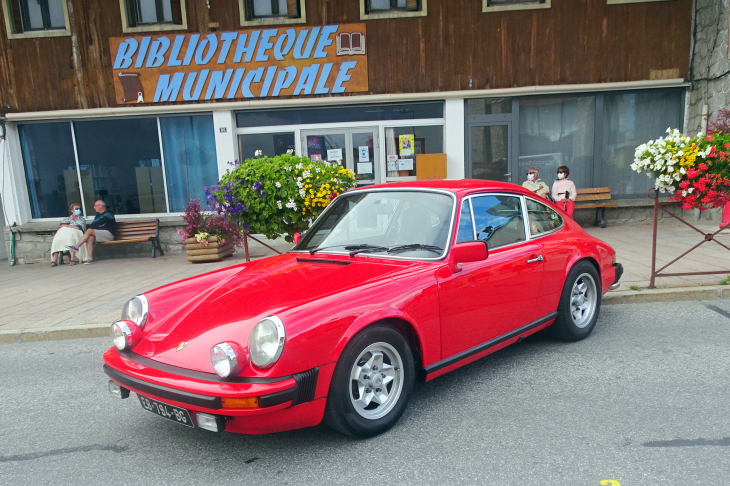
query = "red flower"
{"x": 709, "y": 139}
{"x": 727, "y": 145}
{"x": 702, "y": 166}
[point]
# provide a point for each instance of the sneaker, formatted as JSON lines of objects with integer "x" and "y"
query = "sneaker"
{"x": 72, "y": 248}
{"x": 89, "y": 261}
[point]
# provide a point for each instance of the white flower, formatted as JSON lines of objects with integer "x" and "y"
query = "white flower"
{"x": 302, "y": 192}
{"x": 278, "y": 204}
{"x": 290, "y": 151}
{"x": 291, "y": 204}
{"x": 277, "y": 184}
{"x": 258, "y": 153}
{"x": 306, "y": 174}
{"x": 299, "y": 165}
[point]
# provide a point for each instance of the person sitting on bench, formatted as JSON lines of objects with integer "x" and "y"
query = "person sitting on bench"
{"x": 101, "y": 229}
{"x": 564, "y": 191}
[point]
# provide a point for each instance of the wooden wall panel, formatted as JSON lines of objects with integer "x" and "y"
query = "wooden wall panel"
{"x": 573, "y": 42}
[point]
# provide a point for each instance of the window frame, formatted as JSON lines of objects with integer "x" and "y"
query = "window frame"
{"x": 10, "y": 27}
{"x": 523, "y": 209}
{"x": 152, "y": 27}
{"x": 392, "y": 14}
{"x": 263, "y": 21}
{"x": 518, "y": 6}
{"x": 621, "y": 2}
{"x": 527, "y": 219}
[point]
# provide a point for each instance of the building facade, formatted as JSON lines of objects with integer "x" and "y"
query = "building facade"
{"x": 142, "y": 103}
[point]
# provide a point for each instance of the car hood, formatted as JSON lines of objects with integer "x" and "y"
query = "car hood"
{"x": 187, "y": 318}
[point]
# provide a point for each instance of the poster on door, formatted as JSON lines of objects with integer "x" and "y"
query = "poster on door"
{"x": 364, "y": 152}
{"x": 405, "y": 144}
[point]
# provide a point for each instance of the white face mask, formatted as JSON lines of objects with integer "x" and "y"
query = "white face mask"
{"x": 530, "y": 177}
{"x": 561, "y": 175}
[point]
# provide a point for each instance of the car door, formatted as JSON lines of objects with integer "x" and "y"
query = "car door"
{"x": 546, "y": 226}
{"x": 492, "y": 297}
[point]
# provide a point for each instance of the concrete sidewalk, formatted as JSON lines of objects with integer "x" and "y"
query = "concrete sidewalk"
{"x": 40, "y": 302}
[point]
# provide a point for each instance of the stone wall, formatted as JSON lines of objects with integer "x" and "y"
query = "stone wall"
{"x": 33, "y": 243}
{"x": 710, "y": 84}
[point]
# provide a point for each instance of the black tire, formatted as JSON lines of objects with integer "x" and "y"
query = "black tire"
{"x": 346, "y": 411}
{"x": 571, "y": 325}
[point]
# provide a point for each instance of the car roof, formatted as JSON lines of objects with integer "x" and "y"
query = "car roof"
{"x": 459, "y": 186}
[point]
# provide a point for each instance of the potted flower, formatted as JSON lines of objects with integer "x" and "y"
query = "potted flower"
{"x": 208, "y": 237}
{"x": 278, "y": 196}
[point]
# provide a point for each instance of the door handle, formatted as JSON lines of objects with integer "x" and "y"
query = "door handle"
{"x": 536, "y": 259}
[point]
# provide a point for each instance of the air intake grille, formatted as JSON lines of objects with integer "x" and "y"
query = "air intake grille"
{"x": 306, "y": 386}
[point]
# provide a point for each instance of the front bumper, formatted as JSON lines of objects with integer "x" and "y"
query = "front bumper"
{"x": 302, "y": 393}
{"x": 619, "y": 270}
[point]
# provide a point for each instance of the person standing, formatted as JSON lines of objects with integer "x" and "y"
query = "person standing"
{"x": 101, "y": 229}
{"x": 70, "y": 231}
{"x": 564, "y": 191}
{"x": 535, "y": 184}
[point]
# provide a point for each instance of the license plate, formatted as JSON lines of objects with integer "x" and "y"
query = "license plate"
{"x": 179, "y": 415}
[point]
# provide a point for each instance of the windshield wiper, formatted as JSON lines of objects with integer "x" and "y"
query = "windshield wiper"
{"x": 355, "y": 249}
{"x": 415, "y": 246}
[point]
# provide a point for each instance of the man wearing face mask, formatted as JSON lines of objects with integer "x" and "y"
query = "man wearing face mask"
{"x": 534, "y": 183}
{"x": 564, "y": 192}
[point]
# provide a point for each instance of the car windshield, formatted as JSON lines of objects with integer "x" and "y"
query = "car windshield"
{"x": 411, "y": 224}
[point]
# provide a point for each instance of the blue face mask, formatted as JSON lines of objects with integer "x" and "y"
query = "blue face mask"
{"x": 77, "y": 212}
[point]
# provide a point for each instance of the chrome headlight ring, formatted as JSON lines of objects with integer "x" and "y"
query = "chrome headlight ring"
{"x": 266, "y": 342}
{"x": 136, "y": 310}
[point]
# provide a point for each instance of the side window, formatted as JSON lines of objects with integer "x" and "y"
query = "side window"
{"x": 498, "y": 220}
{"x": 542, "y": 219}
{"x": 35, "y": 18}
{"x": 271, "y": 12}
{"x": 466, "y": 227}
{"x": 153, "y": 15}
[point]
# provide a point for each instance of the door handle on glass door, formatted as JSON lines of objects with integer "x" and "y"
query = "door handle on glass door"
{"x": 537, "y": 259}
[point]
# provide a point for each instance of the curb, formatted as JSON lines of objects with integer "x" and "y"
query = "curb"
{"x": 611, "y": 298}
{"x": 666, "y": 295}
{"x": 53, "y": 333}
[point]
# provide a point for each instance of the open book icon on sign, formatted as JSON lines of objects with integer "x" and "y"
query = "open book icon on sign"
{"x": 132, "y": 87}
{"x": 349, "y": 44}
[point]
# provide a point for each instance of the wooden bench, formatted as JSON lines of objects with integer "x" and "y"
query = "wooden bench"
{"x": 598, "y": 195}
{"x": 137, "y": 231}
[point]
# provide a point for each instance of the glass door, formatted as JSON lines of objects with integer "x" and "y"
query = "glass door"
{"x": 353, "y": 148}
{"x": 489, "y": 151}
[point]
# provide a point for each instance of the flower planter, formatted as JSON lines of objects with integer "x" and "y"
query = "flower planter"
{"x": 212, "y": 252}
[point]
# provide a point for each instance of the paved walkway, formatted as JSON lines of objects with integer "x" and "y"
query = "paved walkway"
{"x": 39, "y": 297}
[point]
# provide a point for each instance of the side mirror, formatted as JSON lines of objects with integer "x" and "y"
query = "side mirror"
{"x": 296, "y": 237}
{"x": 468, "y": 251}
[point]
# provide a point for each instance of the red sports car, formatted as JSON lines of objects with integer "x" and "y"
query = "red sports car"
{"x": 392, "y": 283}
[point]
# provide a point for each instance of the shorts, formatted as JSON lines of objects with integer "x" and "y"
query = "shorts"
{"x": 103, "y": 235}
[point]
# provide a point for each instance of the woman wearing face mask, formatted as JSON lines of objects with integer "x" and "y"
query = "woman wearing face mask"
{"x": 69, "y": 233}
{"x": 564, "y": 192}
{"x": 534, "y": 183}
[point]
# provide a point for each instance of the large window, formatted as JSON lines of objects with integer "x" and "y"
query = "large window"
{"x": 120, "y": 162}
{"x": 498, "y": 220}
{"x": 401, "y": 159}
{"x": 35, "y": 18}
{"x": 50, "y": 168}
{"x": 270, "y": 144}
{"x": 630, "y": 119}
{"x": 558, "y": 131}
{"x": 188, "y": 143}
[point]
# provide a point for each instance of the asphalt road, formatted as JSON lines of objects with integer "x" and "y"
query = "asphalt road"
{"x": 643, "y": 401}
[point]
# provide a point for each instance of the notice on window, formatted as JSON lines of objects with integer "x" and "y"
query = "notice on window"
{"x": 364, "y": 153}
{"x": 392, "y": 162}
{"x": 405, "y": 164}
{"x": 315, "y": 157}
{"x": 364, "y": 167}
{"x": 334, "y": 154}
{"x": 405, "y": 144}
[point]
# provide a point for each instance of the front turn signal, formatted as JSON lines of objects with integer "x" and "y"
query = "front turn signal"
{"x": 250, "y": 402}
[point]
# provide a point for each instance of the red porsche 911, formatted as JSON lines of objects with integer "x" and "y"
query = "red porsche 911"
{"x": 392, "y": 283}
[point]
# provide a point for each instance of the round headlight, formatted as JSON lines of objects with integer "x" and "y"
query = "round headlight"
{"x": 136, "y": 310}
{"x": 225, "y": 358}
{"x": 125, "y": 334}
{"x": 266, "y": 342}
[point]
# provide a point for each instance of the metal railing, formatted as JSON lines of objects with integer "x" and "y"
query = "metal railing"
{"x": 707, "y": 237}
